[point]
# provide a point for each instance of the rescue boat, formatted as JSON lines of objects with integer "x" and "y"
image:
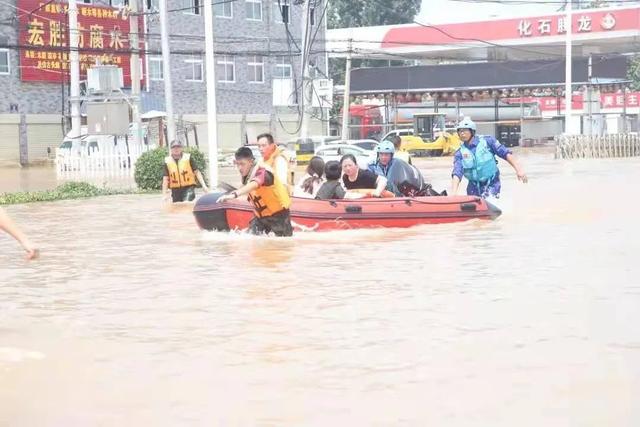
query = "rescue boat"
{"x": 326, "y": 215}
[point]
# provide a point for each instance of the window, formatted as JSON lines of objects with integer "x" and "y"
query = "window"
{"x": 256, "y": 69}
{"x": 194, "y": 69}
{"x": 118, "y": 3}
{"x": 192, "y": 6}
{"x": 155, "y": 68}
{"x": 4, "y": 61}
{"x": 226, "y": 69}
{"x": 223, "y": 10}
{"x": 254, "y": 10}
{"x": 86, "y": 1}
{"x": 281, "y": 12}
{"x": 282, "y": 69}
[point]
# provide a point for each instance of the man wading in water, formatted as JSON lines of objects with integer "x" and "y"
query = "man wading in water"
{"x": 267, "y": 194}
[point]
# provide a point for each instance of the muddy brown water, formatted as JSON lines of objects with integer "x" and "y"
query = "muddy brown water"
{"x": 133, "y": 316}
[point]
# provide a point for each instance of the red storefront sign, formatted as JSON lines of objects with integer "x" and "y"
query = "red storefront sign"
{"x": 44, "y": 40}
{"x": 607, "y": 100}
{"x": 514, "y": 28}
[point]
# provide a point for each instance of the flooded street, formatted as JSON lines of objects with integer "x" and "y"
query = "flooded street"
{"x": 134, "y": 317}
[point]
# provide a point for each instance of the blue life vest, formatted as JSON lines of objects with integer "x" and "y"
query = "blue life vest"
{"x": 479, "y": 167}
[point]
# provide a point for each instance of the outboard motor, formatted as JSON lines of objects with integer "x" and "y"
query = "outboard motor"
{"x": 211, "y": 215}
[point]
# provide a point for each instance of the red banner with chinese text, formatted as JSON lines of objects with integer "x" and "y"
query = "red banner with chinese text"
{"x": 607, "y": 101}
{"x": 44, "y": 40}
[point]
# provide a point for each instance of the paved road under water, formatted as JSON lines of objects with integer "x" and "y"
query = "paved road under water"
{"x": 132, "y": 316}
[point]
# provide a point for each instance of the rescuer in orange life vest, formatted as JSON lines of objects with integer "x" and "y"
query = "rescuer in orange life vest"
{"x": 180, "y": 174}
{"x": 267, "y": 194}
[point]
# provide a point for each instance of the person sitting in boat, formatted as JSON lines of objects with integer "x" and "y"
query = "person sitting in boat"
{"x": 403, "y": 179}
{"x": 476, "y": 161}
{"x": 274, "y": 158}
{"x": 354, "y": 178}
{"x": 266, "y": 192}
{"x": 180, "y": 174}
{"x": 310, "y": 183}
{"x": 400, "y": 154}
{"x": 332, "y": 187}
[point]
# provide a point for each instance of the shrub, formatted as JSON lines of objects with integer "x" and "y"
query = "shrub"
{"x": 150, "y": 167}
{"x": 69, "y": 190}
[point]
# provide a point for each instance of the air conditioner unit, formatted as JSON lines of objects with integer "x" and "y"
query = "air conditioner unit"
{"x": 104, "y": 79}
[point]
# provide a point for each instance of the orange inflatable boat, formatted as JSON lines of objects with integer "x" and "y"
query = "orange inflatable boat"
{"x": 324, "y": 215}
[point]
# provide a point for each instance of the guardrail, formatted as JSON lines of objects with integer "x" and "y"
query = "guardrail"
{"x": 593, "y": 147}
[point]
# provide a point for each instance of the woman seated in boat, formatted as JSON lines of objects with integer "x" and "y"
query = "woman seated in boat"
{"x": 310, "y": 183}
{"x": 332, "y": 188}
{"x": 354, "y": 178}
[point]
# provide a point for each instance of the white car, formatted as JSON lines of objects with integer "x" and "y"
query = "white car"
{"x": 367, "y": 144}
{"x": 399, "y": 132}
{"x": 336, "y": 151}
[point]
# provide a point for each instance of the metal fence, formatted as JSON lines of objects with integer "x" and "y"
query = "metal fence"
{"x": 107, "y": 161}
{"x": 590, "y": 147}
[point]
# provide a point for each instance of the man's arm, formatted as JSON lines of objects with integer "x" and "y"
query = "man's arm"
{"x": 517, "y": 167}
{"x": 201, "y": 180}
{"x": 245, "y": 189}
{"x": 456, "y": 173}
{"x": 381, "y": 184}
{"x": 165, "y": 188}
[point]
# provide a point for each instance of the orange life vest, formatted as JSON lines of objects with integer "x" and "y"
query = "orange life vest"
{"x": 268, "y": 200}
{"x": 180, "y": 172}
{"x": 271, "y": 162}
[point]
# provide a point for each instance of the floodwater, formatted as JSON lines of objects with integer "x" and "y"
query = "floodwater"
{"x": 134, "y": 317}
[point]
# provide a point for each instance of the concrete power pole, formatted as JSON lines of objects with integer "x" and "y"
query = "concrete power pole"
{"x": 134, "y": 63}
{"x": 166, "y": 71}
{"x": 347, "y": 95}
{"x": 212, "y": 117}
{"x": 568, "y": 70}
{"x": 307, "y": 83}
{"x": 74, "y": 68}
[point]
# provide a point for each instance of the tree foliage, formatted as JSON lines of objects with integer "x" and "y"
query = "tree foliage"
{"x": 366, "y": 13}
{"x": 150, "y": 167}
{"x": 361, "y": 13}
{"x": 633, "y": 72}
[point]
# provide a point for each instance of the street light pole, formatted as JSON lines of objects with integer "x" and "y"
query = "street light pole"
{"x": 568, "y": 69}
{"x": 166, "y": 72}
{"x": 210, "y": 69}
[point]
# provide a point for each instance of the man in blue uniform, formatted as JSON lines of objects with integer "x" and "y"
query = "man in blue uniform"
{"x": 476, "y": 161}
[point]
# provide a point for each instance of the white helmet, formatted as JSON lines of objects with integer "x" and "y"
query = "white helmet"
{"x": 466, "y": 123}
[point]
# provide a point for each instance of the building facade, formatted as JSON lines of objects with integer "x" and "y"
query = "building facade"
{"x": 257, "y": 44}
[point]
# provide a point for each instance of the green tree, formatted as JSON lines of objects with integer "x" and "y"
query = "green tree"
{"x": 366, "y": 13}
{"x": 633, "y": 72}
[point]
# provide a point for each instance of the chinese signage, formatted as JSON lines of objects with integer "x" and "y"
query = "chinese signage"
{"x": 607, "y": 100}
{"x": 588, "y": 24}
{"x": 556, "y": 25}
{"x": 103, "y": 37}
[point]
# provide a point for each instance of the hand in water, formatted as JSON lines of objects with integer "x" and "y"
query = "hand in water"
{"x": 522, "y": 177}
{"x": 32, "y": 253}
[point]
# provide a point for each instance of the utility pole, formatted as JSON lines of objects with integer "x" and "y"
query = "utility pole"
{"x": 307, "y": 83}
{"x": 347, "y": 95}
{"x": 568, "y": 22}
{"x": 166, "y": 72}
{"x": 74, "y": 68}
{"x": 590, "y": 96}
{"x": 134, "y": 65}
{"x": 212, "y": 119}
